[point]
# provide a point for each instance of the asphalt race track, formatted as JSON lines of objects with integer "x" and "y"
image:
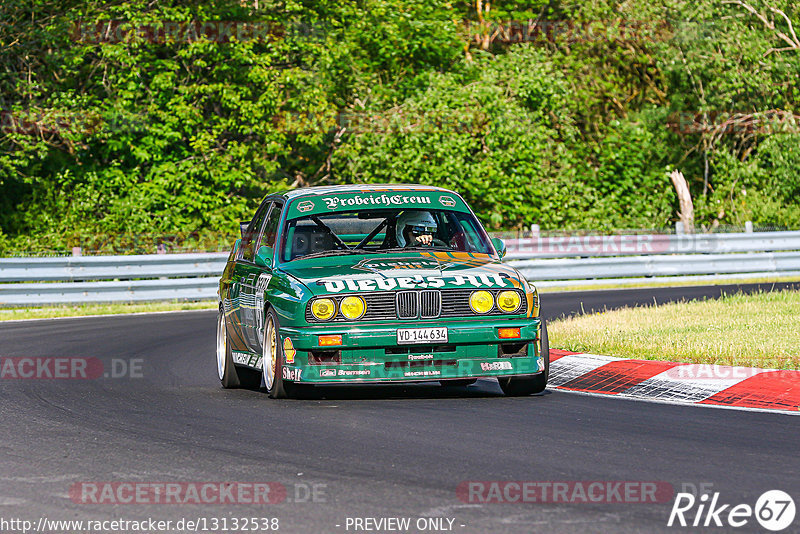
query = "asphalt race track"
{"x": 368, "y": 452}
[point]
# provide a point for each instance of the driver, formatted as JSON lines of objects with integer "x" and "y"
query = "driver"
{"x": 415, "y": 228}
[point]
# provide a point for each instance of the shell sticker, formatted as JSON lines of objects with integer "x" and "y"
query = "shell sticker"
{"x": 288, "y": 350}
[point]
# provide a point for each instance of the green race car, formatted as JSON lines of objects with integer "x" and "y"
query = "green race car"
{"x": 374, "y": 284}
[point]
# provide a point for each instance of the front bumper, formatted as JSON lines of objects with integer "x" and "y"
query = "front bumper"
{"x": 370, "y": 353}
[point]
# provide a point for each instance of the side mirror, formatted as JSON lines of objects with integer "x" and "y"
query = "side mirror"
{"x": 243, "y": 227}
{"x": 264, "y": 257}
{"x": 499, "y": 246}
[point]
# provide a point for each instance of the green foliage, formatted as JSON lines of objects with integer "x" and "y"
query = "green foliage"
{"x": 575, "y": 129}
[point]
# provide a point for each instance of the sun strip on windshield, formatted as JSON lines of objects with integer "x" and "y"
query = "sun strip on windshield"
{"x": 336, "y": 202}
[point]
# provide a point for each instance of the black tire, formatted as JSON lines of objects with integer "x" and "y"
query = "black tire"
{"x": 228, "y": 373}
{"x": 516, "y": 386}
{"x": 459, "y": 382}
{"x": 279, "y": 389}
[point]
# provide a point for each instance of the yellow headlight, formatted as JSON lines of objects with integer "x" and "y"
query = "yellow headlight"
{"x": 323, "y": 309}
{"x": 353, "y": 307}
{"x": 481, "y": 301}
{"x": 508, "y": 301}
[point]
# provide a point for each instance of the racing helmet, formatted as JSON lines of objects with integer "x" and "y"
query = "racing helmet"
{"x": 411, "y": 223}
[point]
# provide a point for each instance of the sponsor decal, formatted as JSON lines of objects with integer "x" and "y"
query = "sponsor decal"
{"x": 495, "y": 366}
{"x": 382, "y": 265}
{"x": 245, "y": 358}
{"x": 337, "y": 285}
{"x": 422, "y": 373}
{"x": 288, "y": 350}
{"x": 374, "y": 200}
{"x": 447, "y": 202}
{"x": 291, "y": 373}
{"x": 354, "y": 372}
{"x": 325, "y": 373}
{"x": 304, "y": 206}
{"x": 420, "y": 356}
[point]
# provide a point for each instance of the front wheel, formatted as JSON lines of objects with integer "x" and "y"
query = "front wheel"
{"x": 515, "y": 386}
{"x": 272, "y": 360}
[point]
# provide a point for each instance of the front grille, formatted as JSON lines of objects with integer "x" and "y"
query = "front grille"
{"x": 407, "y": 304}
{"x": 430, "y": 304}
{"x": 424, "y": 304}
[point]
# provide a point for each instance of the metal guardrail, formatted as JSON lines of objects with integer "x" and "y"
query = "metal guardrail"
{"x": 649, "y": 244}
{"x": 553, "y": 261}
{"x": 759, "y": 263}
{"x": 146, "y": 277}
{"x": 74, "y": 268}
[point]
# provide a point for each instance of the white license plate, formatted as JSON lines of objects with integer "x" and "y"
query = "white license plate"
{"x": 406, "y": 336}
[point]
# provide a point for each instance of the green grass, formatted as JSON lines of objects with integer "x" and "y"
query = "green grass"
{"x": 758, "y": 330}
{"x": 9, "y": 314}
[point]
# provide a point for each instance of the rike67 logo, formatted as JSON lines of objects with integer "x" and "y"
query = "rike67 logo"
{"x": 774, "y": 510}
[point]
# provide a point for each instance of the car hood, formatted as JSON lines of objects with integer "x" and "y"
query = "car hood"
{"x": 399, "y": 271}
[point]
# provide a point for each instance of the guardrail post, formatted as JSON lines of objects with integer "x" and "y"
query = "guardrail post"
{"x": 76, "y": 251}
{"x": 748, "y": 227}
{"x": 679, "y": 228}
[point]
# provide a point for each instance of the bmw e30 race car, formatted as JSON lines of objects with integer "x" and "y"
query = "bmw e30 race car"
{"x": 374, "y": 284}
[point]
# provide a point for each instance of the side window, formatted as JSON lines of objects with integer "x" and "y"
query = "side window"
{"x": 250, "y": 238}
{"x": 270, "y": 233}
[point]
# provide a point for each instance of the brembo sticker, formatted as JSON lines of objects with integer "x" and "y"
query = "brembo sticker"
{"x": 413, "y": 282}
{"x": 373, "y": 200}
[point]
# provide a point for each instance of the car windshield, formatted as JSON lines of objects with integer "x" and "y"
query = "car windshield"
{"x": 384, "y": 230}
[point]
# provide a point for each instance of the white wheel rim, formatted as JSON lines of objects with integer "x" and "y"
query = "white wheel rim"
{"x": 222, "y": 345}
{"x": 268, "y": 354}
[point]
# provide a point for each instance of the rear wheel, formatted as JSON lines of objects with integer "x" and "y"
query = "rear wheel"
{"x": 229, "y": 375}
{"x": 515, "y": 386}
{"x": 272, "y": 361}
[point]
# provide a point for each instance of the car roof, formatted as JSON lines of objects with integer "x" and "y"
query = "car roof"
{"x": 356, "y": 188}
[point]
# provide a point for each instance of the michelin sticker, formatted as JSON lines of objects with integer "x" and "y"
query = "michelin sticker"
{"x": 412, "y": 282}
{"x": 374, "y": 200}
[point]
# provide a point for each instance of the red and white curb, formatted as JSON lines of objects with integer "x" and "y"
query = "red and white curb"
{"x": 681, "y": 383}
